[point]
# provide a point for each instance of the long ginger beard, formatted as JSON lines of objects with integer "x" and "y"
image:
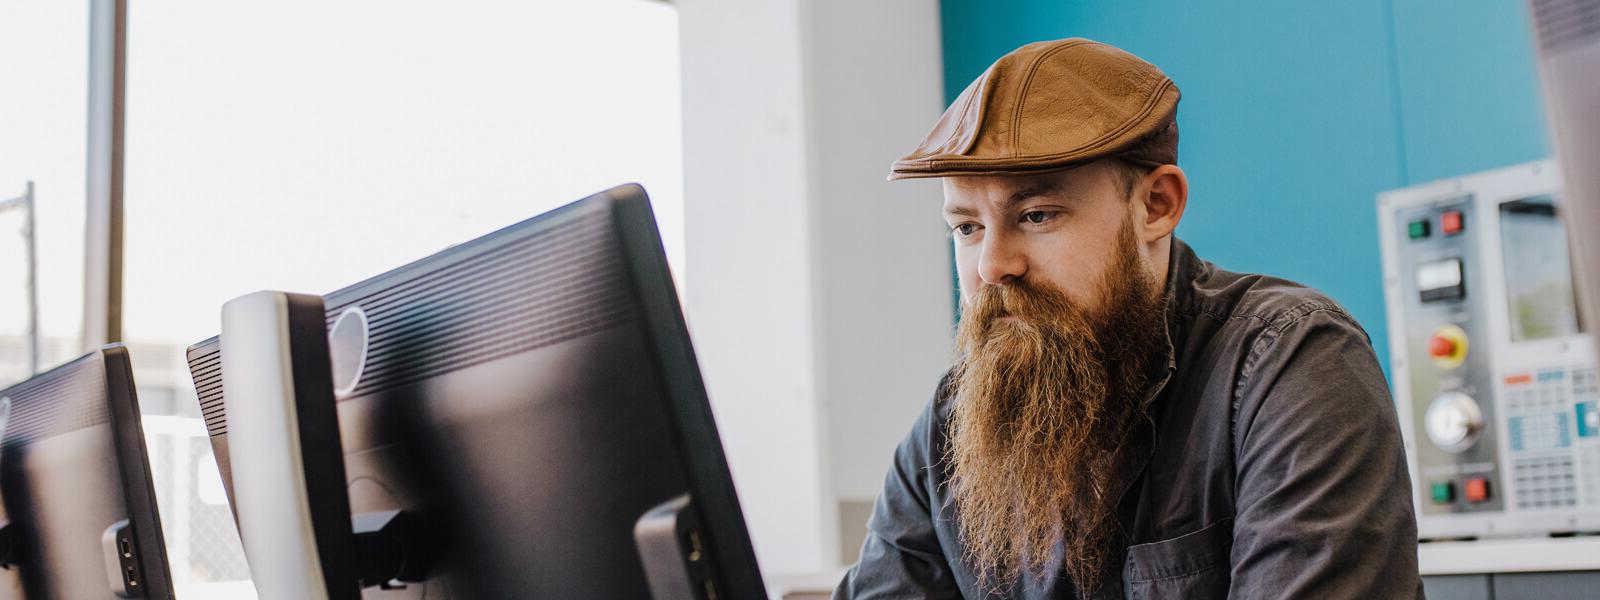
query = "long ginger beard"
{"x": 1044, "y": 401}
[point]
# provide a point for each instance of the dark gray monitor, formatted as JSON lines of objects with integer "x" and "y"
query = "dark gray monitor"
{"x": 527, "y": 398}
{"x": 80, "y": 509}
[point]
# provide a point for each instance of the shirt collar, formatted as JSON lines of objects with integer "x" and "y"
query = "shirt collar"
{"x": 1182, "y": 267}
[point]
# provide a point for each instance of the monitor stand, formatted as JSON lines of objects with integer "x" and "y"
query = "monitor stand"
{"x": 291, "y": 501}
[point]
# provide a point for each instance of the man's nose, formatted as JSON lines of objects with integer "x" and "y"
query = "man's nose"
{"x": 1001, "y": 263}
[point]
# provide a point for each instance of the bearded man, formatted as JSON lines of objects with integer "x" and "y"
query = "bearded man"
{"x": 1125, "y": 419}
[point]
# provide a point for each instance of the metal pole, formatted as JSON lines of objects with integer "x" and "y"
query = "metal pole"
{"x": 30, "y": 234}
{"x": 102, "y": 307}
{"x": 25, "y": 202}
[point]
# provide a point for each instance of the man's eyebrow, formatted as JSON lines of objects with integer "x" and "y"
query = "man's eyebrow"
{"x": 1038, "y": 189}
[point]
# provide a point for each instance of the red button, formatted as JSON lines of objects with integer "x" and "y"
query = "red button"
{"x": 1477, "y": 490}
{"x": 1441, "y": 347}
{"x": 1450, "y": 222}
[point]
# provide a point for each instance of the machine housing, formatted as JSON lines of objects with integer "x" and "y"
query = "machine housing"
{"x": 1493, "y": 369}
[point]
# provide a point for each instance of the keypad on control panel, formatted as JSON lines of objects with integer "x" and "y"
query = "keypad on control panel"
{"x": 1545, "y": 412}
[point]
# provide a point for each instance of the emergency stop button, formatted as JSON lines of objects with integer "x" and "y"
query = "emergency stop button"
{"x": 1441, "y": 347}
{"x": 1447, "y": 347}
{"x": 1476, "y": 489}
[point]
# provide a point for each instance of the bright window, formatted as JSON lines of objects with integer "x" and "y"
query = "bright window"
{"x": 304, "y": 146}
{"x": 44, "y": 63}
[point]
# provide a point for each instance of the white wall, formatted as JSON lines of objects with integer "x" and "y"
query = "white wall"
{"x": 884, "y": 280}
{"x": 818, "y": 294}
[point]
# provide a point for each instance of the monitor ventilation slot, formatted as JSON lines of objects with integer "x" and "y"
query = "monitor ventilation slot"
{"x": 61, "y": 400}
{"x": 205, "y": 365}
{"x": 1564, "y": 24}
{"x": 560, "y": 280}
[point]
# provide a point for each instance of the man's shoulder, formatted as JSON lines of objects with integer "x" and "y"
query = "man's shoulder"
{"x": 1257, "y": 303}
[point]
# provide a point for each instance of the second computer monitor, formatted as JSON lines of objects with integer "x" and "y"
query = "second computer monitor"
{"x": 76, "y": 487}
{"x": 529, "y": 397}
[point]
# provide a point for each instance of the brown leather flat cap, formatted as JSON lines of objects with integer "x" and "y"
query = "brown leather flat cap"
{"x": 1049, "y": 106}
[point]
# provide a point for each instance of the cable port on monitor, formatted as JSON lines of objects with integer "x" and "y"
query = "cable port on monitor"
{"x": 692, "y": 543}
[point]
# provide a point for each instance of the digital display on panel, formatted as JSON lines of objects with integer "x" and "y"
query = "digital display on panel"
{"x": 1538, "y": 271}
{"x": 1440, "y": 280}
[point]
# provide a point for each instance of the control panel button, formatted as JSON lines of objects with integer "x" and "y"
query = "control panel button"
{"x": 1443, "y": 492}
{"x": 1453, "y": 422}
{"x": 1417, "y": 229}
{"x": 1588, "y": 419}
{"x": 1476, "y": 489}
{"x": 1451, "y": 222}
{"x": 1447, "y": 347}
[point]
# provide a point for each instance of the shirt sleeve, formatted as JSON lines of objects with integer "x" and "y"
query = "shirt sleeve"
{"x": 902, "y": 556}
{"x": 1324, "y": 498}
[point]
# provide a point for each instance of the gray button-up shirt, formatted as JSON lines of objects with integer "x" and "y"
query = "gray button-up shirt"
{"x": 1271, "y": 466}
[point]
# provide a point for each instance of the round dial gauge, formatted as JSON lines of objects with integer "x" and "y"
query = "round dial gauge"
{"x": 1453, "y": 421}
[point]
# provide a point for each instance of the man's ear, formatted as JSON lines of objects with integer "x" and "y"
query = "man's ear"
{"x": 1166, "y": 195}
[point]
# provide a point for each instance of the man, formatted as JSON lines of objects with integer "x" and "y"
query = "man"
{"x": 1123, "y": 418}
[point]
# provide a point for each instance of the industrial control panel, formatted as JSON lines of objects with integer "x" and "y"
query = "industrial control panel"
{"x": 1493, "y": 370}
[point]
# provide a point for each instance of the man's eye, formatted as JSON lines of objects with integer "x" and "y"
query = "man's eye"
{"x": 964, "y": 229}
{"x": 1038, "y": 216}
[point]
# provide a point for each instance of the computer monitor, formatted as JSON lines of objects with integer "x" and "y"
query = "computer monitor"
{"x": 528, "y": 398}
{"x": 79, "y": 505}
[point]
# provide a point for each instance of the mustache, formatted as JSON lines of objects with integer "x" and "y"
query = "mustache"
{"x": 1035, "y": 306}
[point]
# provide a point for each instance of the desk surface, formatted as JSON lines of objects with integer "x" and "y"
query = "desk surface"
{"x": 1521, "y": 555}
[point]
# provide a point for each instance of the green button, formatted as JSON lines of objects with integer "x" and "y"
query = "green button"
{"x": 1443, "y": 492}
{"x": 1417, "y": 229}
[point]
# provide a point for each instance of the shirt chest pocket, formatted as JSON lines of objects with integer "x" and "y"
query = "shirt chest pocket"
{"x": 1193, "y": 565}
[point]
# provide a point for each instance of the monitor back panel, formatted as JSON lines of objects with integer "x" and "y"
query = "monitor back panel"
{"x": 72, "y": 466}
{"x": 509, "y": 392}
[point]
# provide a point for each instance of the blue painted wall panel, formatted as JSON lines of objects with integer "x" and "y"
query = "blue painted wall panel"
{"x": 1468, "y": 87}
{"x": 1295, "y": 115}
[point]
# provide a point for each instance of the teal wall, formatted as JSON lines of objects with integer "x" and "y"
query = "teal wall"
{"x": 1296, "y": 114}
